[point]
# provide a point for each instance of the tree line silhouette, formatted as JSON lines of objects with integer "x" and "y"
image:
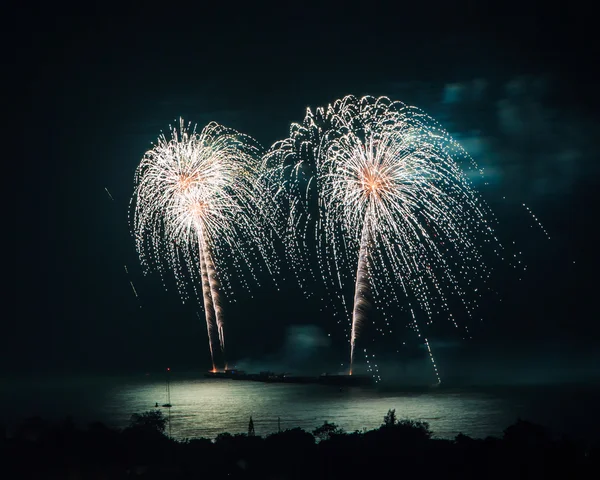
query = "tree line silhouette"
{"x": 38, "y": 448}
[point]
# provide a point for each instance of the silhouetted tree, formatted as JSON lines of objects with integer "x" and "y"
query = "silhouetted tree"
{"x": 223, "y": 438}
{"x": 290, "y": 440}
{"x": 251, "y": 427}
{"x": 153, "y": 420}
{"x": 326, "y": 431}
{"x": 413, "y": 429}
{"x": 198, "y": 443}
{"x": 390, "y": 418}
{"x": 394, "y": 431}
{"x": 526, "y": 434}
{"x": 462, "y": 439}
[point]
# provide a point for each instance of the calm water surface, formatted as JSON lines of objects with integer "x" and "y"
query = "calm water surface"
{"x": 206, "y": 407}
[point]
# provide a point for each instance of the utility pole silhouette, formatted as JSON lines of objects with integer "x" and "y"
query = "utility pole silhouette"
{"x": 251, "y": 428}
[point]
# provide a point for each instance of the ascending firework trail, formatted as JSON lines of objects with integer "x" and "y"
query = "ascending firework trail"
{"x": 378, "y": 189}
{"x": 196, "y": 209}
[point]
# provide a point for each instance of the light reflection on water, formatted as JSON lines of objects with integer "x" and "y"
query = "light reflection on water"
{"x": 208, "y": 407}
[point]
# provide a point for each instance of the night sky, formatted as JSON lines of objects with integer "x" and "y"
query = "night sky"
{"x": 513, "y": 85}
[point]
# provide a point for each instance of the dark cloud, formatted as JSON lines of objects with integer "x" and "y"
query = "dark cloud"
{"x": 456, "y": 93}
{"x": 530, "y": 143}
{"x": 526, "y": 132}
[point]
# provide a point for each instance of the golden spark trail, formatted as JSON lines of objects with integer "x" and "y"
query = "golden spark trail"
{"x": 362, "y": 290}
{"x": 133, "y": 288}
{"x": 209, "y": 311}
{"x": 216, "y": 298}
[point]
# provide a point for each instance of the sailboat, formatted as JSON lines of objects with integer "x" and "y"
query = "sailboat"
{"x": 168, "y": 404}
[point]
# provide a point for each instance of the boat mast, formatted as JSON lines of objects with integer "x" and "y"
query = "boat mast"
{"x": 168, "y": 388}
{"x": 169, "y": 398}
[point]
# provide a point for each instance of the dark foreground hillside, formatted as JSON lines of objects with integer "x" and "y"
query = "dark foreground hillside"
{"x": 38, "y": 449}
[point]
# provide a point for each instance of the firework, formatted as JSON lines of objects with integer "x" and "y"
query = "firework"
{"x": 378, "y": 192}
{"x": 110, "y": 196}
{"x": 197, "y": 213}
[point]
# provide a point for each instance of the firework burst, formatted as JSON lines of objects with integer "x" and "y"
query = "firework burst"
{"x": 197, "y": 212}
{"x": 378, "y": 192}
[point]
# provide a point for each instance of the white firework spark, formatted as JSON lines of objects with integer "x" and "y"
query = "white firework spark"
{"x": 197, "y": 208}
{"x": 375, "y": 188}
